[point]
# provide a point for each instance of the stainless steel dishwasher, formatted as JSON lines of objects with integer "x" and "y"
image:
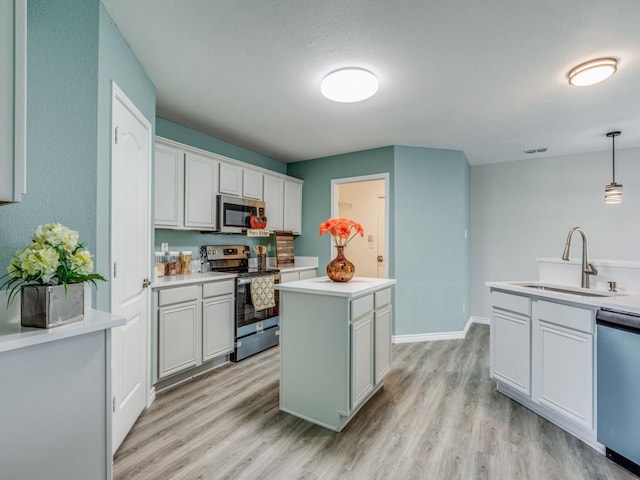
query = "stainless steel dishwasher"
{"x": 618, "y": 367}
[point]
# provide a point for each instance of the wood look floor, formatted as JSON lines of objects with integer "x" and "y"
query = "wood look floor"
{"x": 437, "y": 417}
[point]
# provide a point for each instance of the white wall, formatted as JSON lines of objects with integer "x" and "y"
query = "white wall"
{"x": 524, "y": 210}
{"x": 358, "y": 202}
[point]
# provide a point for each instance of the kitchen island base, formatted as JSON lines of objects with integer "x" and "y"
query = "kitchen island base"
{"x": 335, "y": 347}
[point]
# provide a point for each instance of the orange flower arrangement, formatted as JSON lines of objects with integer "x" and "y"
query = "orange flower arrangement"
{"x": 340, "y": 228}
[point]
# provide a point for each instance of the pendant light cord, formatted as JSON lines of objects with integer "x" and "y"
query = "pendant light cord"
{"x": 613, "y": 156}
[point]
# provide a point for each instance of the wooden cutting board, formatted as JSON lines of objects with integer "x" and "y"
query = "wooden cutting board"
{"x": 285, "y": 255}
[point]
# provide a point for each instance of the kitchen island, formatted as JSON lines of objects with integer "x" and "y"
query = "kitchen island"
{"x": 335, "y": 346}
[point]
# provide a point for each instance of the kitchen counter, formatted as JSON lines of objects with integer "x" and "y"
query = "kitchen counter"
{"x": 357, "y": 287}
{"x": 622, "y": 302}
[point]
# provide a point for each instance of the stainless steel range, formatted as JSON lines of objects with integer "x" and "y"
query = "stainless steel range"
{"x": 257, "y": 320}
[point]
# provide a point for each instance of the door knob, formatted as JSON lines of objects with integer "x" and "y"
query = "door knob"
{"x": 380, "y": 259}
{"x": 146, "y": 283}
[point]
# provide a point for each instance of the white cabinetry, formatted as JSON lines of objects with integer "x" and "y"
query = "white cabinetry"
{"x": 185, "y": 189}
{"x": 382, "y": 333}
{"x": 293, "y": 206}
{"x": 13, "y": 100}
{"x": 201, "y": 176}
{"x": 169, "y": 186}
{"x": 362, "y": 377}
{"x": 563, "y": 360}
{"x": 295, "y": 276}
{"x": 251, "y": 184}
{"x": 230, "y": 179}
{"x": 510, "y": 339}
{"x": 178, "y": 330}
{"x": 195, "y": 325}
{"x": 273, "y": 194}
{"x": 217, "y": 319}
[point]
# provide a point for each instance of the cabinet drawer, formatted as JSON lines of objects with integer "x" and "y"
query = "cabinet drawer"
{"x": 513, "y": 303}
{"x": 382, "y": 298}
{"x": 580, "y": 319}
{"x": 217, "y": 288}
{"x": 361, "y": 305}
{"x": 177, "y": 295}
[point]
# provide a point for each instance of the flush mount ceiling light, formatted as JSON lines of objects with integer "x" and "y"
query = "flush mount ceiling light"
{"x": 349, "y": 85}
{"x": 593, "y": 71}
{"x": 613, "y": 191}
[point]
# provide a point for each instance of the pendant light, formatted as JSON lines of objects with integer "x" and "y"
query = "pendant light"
{"x": 613, "y": 191}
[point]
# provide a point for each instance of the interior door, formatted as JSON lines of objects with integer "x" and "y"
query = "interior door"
{"x": 381, "y": 237}
{"x": 130, "y": 255}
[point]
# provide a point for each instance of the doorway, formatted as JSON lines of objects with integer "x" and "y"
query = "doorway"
{"x": 365, "y": 200}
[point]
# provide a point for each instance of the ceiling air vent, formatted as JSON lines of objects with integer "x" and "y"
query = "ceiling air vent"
{"x": 535, "y": 150}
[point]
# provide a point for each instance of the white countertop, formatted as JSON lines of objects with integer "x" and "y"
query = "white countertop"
{"x": 624, "y": 303}
{"x": 14, "y": 336}
{"x": 357, "y": 287}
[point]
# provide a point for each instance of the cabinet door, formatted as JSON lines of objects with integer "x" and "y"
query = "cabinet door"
{"x": 305, "y": 274}
{"x": 293, "y": 206}
{"x": 168, "y": 186}
{"x": 178, "y": 336}
{"x": 361, "y": 359}
{"x": 563, "y": 372}
{"x": 289, "y": 277}
{"x": 382, "y": 350}
{"x": 217, "y": 327}
{"x": 251, "y": 184}
{"x": 230, "y": 179}
{"x": 201, "y": 179}
{"x": 273, "y": 195}
{"x": 511, "y": 350}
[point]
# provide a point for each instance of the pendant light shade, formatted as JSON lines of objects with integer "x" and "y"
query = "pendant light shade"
{"x": 613, "y": 191}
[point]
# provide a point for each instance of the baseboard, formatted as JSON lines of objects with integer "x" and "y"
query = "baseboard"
{"x": 151, "y": 396}
{"x": 431, "y": 337}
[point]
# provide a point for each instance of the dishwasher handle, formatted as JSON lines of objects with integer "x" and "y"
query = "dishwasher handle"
{"x": 620, "y": 320}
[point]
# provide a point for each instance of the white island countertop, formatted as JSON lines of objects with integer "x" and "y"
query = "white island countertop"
{"x": 357, "y": 287}
{"x": 14, "y": 336}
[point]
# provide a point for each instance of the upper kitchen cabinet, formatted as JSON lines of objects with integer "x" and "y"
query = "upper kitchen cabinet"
{"x": 293, "y": 206}
{"x": 185, "y": 188}
{"x": 200, "y": 178}
{"x": 251, "y": 184}
{"x": 13, "y": 100}
{"x": 169, "y": 186}
{"x": 230, "y": 179}
{"x": 274, "y": 201}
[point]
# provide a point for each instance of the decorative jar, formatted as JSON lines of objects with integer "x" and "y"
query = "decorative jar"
{"x": 340, "y": 269}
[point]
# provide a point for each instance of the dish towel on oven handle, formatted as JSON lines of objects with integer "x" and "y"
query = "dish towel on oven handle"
{"x": 262, "y": 292}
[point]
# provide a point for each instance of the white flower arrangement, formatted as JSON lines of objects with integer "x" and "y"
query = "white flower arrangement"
{"x": 54, "y": 258}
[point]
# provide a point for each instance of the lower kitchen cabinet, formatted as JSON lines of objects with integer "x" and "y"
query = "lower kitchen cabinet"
{"x": 178, "y": 334}
{"x": 335, "y": 348}
{"x": 195, "y": 325}
{"x": 217, "y": 327}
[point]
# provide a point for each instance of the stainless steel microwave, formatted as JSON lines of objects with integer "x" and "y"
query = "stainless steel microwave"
{"x": 234, "y": 213}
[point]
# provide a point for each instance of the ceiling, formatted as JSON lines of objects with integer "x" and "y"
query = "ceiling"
{"x": 485, "y": 77}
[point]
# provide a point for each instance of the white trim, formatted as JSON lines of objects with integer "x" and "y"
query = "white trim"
{"x": 431, "y": 337}
{"x": 151, "y": 396}
{"x": 364, "y": 178}
{"x": 20, "y": 102}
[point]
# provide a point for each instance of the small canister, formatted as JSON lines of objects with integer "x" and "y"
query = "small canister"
{"x": 171, "y": 266}
{"x": 185, "y": 262}
{"x": 158, "y": 264}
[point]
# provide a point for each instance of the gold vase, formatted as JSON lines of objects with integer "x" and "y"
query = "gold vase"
{"x": 340, "y": 269}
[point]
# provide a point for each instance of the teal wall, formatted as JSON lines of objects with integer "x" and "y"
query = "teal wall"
{"x": 73, "y": 52}
{"x": 316, "y": 195}
{"x": 188, "y": 136}
{"x": 431, "y": 251}
{"x": 118, "y": 64}
{"x": 429, "y": 212}
{"x": 62, "y": 88}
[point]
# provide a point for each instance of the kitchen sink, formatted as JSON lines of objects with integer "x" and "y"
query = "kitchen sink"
{"x": 567, "y": 290}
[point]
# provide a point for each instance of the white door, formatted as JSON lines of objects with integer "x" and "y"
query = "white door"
{"x": 130, "y": 256}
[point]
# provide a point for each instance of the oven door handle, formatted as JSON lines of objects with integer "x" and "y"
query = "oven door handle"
{"x": 245, "y": 281}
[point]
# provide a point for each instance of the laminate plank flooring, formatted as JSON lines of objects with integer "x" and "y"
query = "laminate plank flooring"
{"x": 438, "y": 416}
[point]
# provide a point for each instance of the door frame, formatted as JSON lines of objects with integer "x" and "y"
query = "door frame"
{"x": 118, "y": 94}
{"x": 335, "y": 182}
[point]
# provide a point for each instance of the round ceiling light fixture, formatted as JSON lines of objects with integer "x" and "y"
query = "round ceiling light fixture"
{"x": 593, "y": 71}
{"x": 349, "y": 85}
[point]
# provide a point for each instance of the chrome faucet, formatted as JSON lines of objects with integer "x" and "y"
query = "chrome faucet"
{"x": 587, "y": 268}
